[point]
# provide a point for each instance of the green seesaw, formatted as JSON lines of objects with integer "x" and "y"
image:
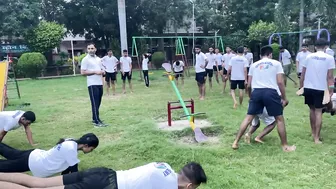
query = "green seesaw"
{"x": 199, "y": 136}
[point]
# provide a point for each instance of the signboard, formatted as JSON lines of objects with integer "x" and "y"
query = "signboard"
{"x": 5, "y": 48}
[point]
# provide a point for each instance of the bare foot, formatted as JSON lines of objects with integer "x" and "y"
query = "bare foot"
{"x": 259, "y": 140}
{"x": 318, "y": 141}
{"x": 202, "y": 98}
{"x": 235, "y": 146}
{"x": 235, "y": 106}
{"x": 288, "y": 148}
{"x": 132, "y": 92}
{"x": 248, "y": 138}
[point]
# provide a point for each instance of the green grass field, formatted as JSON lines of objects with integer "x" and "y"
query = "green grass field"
{"x": 132, "y": 139}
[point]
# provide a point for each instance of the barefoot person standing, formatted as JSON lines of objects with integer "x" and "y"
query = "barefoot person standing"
{"x": 266, "y": 81}
{"x": 317, "y": 76}
{"x": 238, "y": 71}
{"x": 201, "y": 63}
{"x": 92, "y": 68}
{"x": 126, "y": 70}
{"x": 110, "y": 63}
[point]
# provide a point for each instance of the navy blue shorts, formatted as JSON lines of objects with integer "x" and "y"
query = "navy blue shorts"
{"x": 200, "y": 77}
{"x": 313, "y": 97}
{"x": 265, "y": 97}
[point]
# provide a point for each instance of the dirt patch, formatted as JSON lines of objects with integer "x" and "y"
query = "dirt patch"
{"x": 182, "y": 124}
{"x": 187, "y": 140}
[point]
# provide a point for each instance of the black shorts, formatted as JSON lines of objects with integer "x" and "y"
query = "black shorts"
{"x": 200, "y": 77}
{"x": 179, "y": 74}
{"x": 110, "y": 76}
{"x": 219, "y": 67}
{"x": 299, "y": 75}
{"x": 239, "y": 83}
{"x": 313, "y": 97}
{"x": 265, "y": 97}
{"x": 224, "y": 71}
{"x": 209, "y": 72}
{"x": 127, "y": 75}
{"x": 97, "y": 178}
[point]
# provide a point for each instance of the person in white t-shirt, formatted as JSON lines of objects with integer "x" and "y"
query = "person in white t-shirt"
{"x": 226, "y": 64}
{"x": 266, "y": 81}
{"x": 300, "y": 58}
{"x": 269, "y": 122}
{"x": 330, "y": 52}
{"x": 151, "y": 176}
{"x": 249, "y": 56}
{"x": 126, "y": 70}
{"x": 61, "y": 158}
{"x": 92, "y": 68}
{"x": 218, "y": 65}
{"x": 211, "y": 62}
{"x": 201, "y": 64}
{"x": 110, "y": 63}
{"x": 178, "y": 68}
{"x": 238, "y": 71}
{"x": 144, "y": 65}
{"x": 286, "y": 58}
{"x": 12, "y": 120}
{"x": 317, "y": 76}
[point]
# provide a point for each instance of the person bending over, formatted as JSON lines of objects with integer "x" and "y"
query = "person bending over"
{"x": 61, "y": 158}
{"x": 178, "y": 67}
{"x": 266, "y": 80}
{"x": 153, "y": 175}
{"x": 12, "y": 120}
{"x": 268, "y": 120}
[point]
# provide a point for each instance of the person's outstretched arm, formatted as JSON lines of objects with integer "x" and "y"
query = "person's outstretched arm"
{"x": 29, "y": 135}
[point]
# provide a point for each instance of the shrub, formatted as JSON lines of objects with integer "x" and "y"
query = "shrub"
{"x": 158, "y": 58}
{"x": 80, "y": 58}
{"x": 276, "y": 51}
{"x": 32, "y": 64}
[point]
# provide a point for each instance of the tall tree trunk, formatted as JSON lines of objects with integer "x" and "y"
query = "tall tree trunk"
{"x": 301, "y": 22}
{"x": 122, "y": 24}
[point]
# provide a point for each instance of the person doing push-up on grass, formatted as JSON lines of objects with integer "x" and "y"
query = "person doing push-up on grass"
{"x": 153, "y": 175}
{"x": 61, "y": 158}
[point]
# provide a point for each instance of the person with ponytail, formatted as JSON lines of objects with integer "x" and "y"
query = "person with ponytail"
{"x": 61, "y": 158}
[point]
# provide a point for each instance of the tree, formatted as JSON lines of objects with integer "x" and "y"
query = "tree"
{"x": 260, "y": 31}
{"x": 45, "y": 36}
{"x": 18, "y": 16}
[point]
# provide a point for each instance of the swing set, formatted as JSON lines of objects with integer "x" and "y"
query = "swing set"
{"x": 180, "y": 52}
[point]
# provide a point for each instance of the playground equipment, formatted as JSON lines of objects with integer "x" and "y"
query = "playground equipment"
{"x": 180, "y": 52}
{"x": 191, "y": 105}
{"x": 199, "y": 136}
{"x": 298, "y": 32}
{"x": 3, "y": 82}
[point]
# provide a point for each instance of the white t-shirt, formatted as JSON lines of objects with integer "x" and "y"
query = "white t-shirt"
{"x": 211, "y": 60}
{"x": 126, "y": 63}
{"x": 301, "y": 57}
{"x": 150, "y": 176}
{"x": 249, "y": 57}
{"x": 238, "y": 64}
{"x": 200, "y": 61}
{"x": 145, "y": 64}
{"x": 219, "y": 58}
{"x": 178, "y": 68}
{"x": 264, "y": 74}
{"x": 317, "y": 66}
{"x": 286, "y": 57}
{"x": 9, "y": 120}
{"x": 109, "y": 63}
{"x": 268, "y": 120}
{"x": 330, "y": 52}
{"x": 47, "y": 163}
{"x": 226, "y": 58}
{"x": 92, "y": 63}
